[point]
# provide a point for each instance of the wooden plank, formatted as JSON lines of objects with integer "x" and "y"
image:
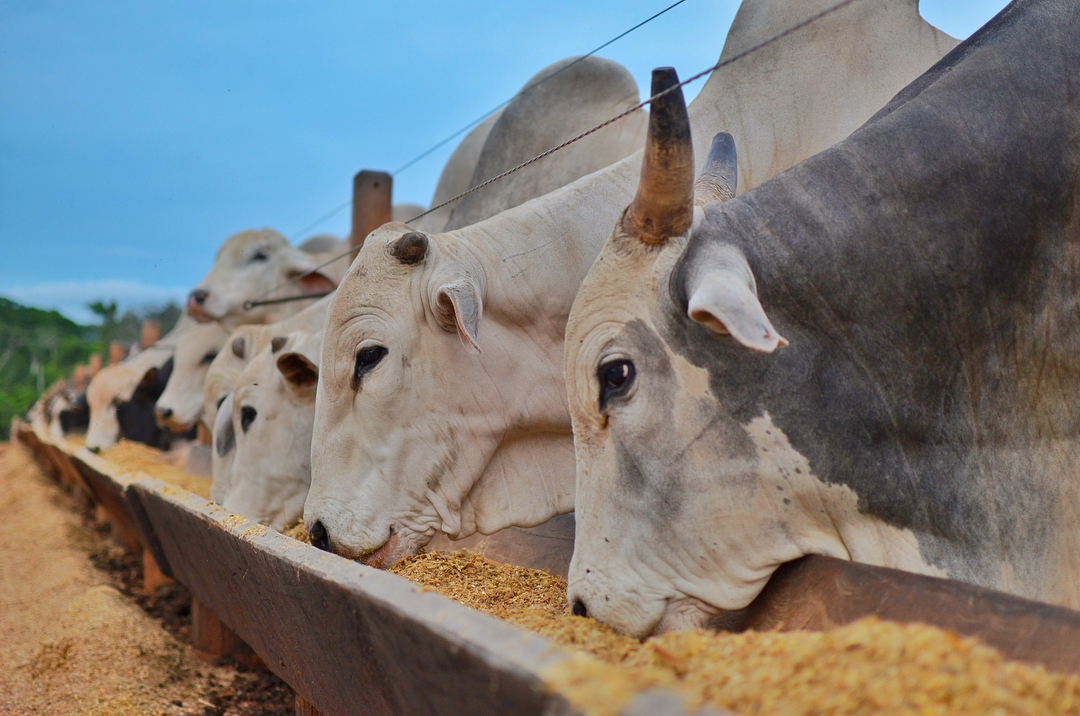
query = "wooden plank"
{"x": 371, "y": 204}
{"x": 348, "y": 638}
{"x": 818, "y": 593}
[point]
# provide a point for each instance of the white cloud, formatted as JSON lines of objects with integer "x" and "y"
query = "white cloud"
{"x": 71, "y": 297}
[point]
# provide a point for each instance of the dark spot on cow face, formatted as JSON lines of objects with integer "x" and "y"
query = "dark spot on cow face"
{"x": 277, "y": 343}
{"x": 238, "y": 347}
{"x": 225, "y": 439}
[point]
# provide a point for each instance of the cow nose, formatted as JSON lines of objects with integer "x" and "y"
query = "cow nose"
{"x": 164, "y": 413}
{"x": 94, "y": 449}
{"x": 579, "y": 609}
{"x": 318, "y": 536}
{"x": 199, "y": 296}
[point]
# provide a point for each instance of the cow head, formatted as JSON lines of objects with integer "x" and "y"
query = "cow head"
{"x": 272, "y": 413}
{"x": 673, "y": 523}
{"x": 181, "y": 404}
{"x": 242, "y": 345}
{"x": 412, "y": 433}
{"x": 249, "y": 265}
{"x": 112, "y": 385}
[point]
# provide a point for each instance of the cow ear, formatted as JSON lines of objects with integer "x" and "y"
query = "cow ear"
{"x": 458, "y": 306}
{"x": 315, "y": 283}
{"x": 720, "y": 176}
{"x": 726, "y": 302}
{"x": 224, "y": 436}
{"x": 298, "y": 370}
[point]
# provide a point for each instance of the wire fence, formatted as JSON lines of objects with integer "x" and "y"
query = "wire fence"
{"x": 723, "y": 63}
{"x": 443, "y": 142}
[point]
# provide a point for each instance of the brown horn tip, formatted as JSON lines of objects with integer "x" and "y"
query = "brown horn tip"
{"x": 664, "y": 205}
{"x": 411, "y": 248}
{"x": 720, "y": 177}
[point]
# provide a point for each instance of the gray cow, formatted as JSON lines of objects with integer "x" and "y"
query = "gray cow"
{"x": 874, "y": 356}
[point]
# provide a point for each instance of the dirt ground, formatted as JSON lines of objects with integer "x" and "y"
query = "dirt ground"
{"x": 77, "y": 636}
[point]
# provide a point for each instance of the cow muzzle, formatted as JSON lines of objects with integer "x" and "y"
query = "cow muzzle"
{"x": 196, "y": 305}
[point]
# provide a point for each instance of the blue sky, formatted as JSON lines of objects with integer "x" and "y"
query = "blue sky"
{"x": 136, "y": 137}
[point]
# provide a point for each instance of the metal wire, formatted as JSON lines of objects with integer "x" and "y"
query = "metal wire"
{"x": 337, "y": 210}
{"x": 723, "y": 63}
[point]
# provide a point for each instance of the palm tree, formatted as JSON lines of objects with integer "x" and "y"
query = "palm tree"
{"x": 107, "y": 311}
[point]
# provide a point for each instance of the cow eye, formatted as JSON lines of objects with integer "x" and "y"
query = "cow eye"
{"x": 247, "y": 417}
{"x": 208, "y": 359}
{"x": 616, "y": 378}
{"x": 259, "y": 255}
{"x": 366, "y": 359}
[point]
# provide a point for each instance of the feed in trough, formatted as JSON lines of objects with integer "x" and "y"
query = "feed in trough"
{"x": 133, "y": 456}
{"x": 870, "y": 666}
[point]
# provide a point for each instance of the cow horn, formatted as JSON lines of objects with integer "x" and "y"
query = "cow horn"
{"x": 663, "y": 206}
{"x": 721, "y": 173}
{"x": 411, "y": 248}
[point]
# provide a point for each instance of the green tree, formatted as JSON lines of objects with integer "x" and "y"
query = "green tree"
{"x": 107, "y": 311}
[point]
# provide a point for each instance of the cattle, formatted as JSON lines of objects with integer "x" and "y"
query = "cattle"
{"x": 229, "y": 372}
{"x": 872, "y": 357}
{"x": 269, "y": 483}
{"x": 116, "y": 385}
{"x": 272, "y": 411}
{"x": 253, "y": 263}
{"x": 180, "y": 405}
{"x": 242, "y": 345}
{"x": 455, "y": 340}
{"x": 562, "y": 100}
{"x": 121, "y": 399}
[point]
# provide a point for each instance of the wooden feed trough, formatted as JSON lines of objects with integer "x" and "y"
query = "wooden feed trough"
{"x": 351, "y": 639}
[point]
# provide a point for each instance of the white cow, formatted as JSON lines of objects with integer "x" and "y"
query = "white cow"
{"x": 242, "y": 345}
{"x": 272, "y": 412}
{"x": 251, "y": 264}
{"x": 469, "y": 441}
{"x": 246, "y": 345}
{"x": 592, "y": 90}
{"x": 181, "y": 405}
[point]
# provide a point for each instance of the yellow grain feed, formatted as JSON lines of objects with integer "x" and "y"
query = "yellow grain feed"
{"x": 130, "y": 456}
{"x": 869, "y": 667}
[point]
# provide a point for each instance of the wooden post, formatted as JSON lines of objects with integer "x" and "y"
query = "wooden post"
{"x": 150, "y": 333}
{"x": 80, "y": 377}
{"x": 211, "y": 637}
{"x": 153, "y": 578}
{"x": 372, "y": 196}
{"x": 116, "y": 353}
